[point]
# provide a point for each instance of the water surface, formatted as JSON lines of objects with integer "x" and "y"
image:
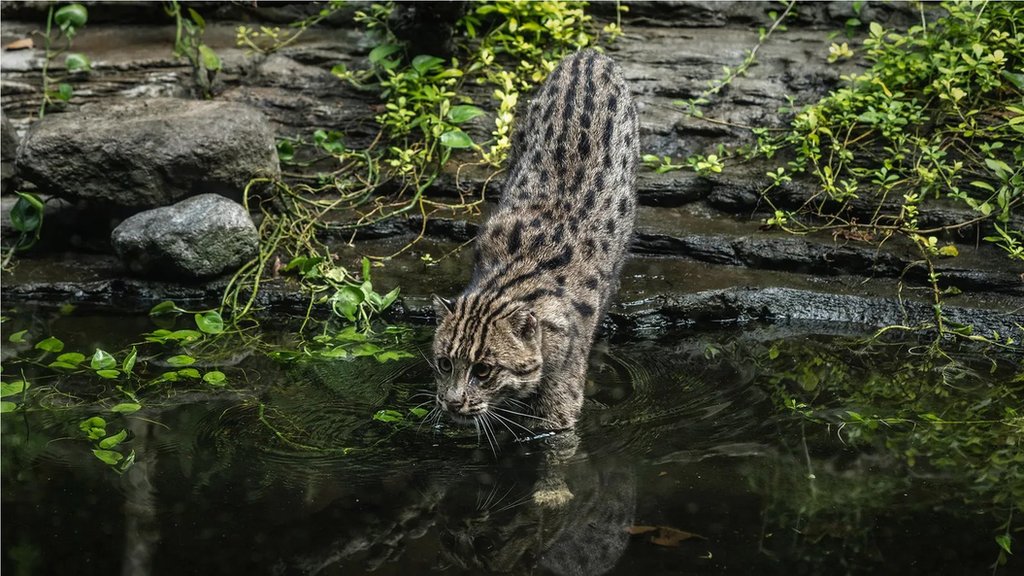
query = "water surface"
{"x": 684, "y": 462}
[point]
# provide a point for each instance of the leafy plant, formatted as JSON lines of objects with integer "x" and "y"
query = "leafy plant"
{"x": 69, "y": 19}
{"x": 188, "y": 44}
{"x": 270, "y": 39}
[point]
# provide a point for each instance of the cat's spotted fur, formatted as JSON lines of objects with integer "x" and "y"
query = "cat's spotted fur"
{"x": 548, "y": 258}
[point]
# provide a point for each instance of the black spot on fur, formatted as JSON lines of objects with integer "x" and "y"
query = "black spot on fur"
{"x": 538, "y": 241}
{"x": 557, "y": 262}
{"x": 610, "y": 226}
{"x": 605, "y": 246}
{"x": 515, "y": 238}
{"x": 591, "y": 283}
{"x": 585, "y": 310}
{"x": 584, "y": 146}
{"x": 535, "y": 223}
{"x": 623, "y": 205}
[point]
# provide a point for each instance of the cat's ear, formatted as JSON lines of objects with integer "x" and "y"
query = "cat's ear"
{"x": 524, "y": 323}
{"x": 442, "y": 307}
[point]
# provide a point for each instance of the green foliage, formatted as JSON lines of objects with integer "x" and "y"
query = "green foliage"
{"x": 270, "y": 39}
{"x": 188, "y": 44}
{"x": 350, "y": 343}
{"x": 69, "y": 19}
{"x": 937, "y": 115}
{"x": 105, "y": 447}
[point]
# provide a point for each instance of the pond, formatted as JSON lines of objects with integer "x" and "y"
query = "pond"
{"x": 698, "y": 452}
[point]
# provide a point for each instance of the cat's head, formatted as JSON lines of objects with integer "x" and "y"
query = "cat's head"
{"x": 485, "y": 352}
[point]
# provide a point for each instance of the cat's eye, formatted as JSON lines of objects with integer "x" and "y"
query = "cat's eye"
{"x": 444, "y": 365}
{"x": 481, "y": 371}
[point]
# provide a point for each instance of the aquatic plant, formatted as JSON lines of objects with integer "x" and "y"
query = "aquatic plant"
{"x": 188, "y": 44}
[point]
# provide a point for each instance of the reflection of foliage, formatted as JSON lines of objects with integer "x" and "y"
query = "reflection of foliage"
{"x": 949, "y": 414}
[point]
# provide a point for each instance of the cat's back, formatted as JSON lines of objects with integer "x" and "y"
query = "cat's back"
{"x": 570, "y": 190}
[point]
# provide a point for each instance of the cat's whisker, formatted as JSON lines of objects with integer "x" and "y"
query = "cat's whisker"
{"x": 504, "y": 419}
{"x": 482, "y": 423}
{"x": 513, "y": 504}
{"x": 524, "y": 415}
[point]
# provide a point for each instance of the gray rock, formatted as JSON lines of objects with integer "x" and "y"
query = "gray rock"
{"x": 8, "y": 154}
{"x": 200, "y": 237}
{"x": 147, "y": 153}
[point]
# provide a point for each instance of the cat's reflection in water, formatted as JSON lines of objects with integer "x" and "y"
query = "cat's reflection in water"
{"x": 568, "y": 515}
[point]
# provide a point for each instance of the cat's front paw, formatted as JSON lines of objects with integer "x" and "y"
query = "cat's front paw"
{"x": 553, "y": 494}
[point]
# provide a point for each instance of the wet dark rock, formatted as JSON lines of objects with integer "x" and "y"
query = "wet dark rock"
{"x": 200, "y": 237}
{"x": 8, "y": 154}
{"x": 149, "y": 152}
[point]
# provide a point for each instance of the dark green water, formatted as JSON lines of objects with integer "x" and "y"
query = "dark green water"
{"x": 286, "y": 472}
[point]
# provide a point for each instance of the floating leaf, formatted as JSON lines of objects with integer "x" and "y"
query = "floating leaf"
{"x": 389, "y": 416}
{"x": 50, "y": 344}
{"x": 111, "y": 441}
{"x": 18, "y": 336}
{"x": 108, "y": 456}
{"x": 189, "y": 373}
{"x": 95, "y": 427}
{"x": 210, "y": 322}
{"x": 102, "y": 360}
{"x": 108, "y": 374}
{"x": 419, "y": 412}
{"x": 365, "y": 349}
{"x": 663, "y": 535}
{"x": 166, "y": 307}
{"x": 392, "y": 355}
{"x": 215, "y": 378}
{"x": 126, "y": 408}
{"x": 62, "y": 365}
{"x": 181, "y": 360}
{"x": 7, "y": 407}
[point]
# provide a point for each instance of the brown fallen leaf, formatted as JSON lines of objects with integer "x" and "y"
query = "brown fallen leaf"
{"x": 23, "y": 44}
{"x": 663, "y": 535}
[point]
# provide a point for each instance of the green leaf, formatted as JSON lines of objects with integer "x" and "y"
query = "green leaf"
{"x": 129, "y": 361}
{"x": 65, "y": 91}
{"x": 51, "y": 344}
{"x": 210, "y": 322}
{"x": 75, "y": 62}
{"x": 27, "y": 213}
{"x": 108, "y": 374}
{"x": 215, "y": 378}
{"x": 12, "y": 388}
{"x": 108, "y": 456}
{"x": 181, "y": 360}
{"x": 209, "y": 58}
{"x": 95, "y": 427}
{"x": 196, "y": 18}
{"x": 189, "y": 373}
{"x": 185, "y": 336}
{"x": 392, "y": 355}
{"x": 71, "y": 17}
{"x": 456, "y": 138}
{"x": 165, "y": 307}
{"x": 57, "y": 364}
{"x": 346, "y": 302}
{"x": 378, "y": 54}
{"x": 388, "y": 299}
{"x": 102, "y": 361}
{"x": 424, "y": 63}
{"x": 463, "y": 113}
{"x": 876, "y": 29}
{"x": 285, "y": 151}
{"x": 111, "y": 441}
{"x": 6, "y": 407}
{"x": 1015, "y": 78}
{"x": 389, "y": 416}
{"x": 126, "y": 408}
{"x": 419, "y": 412}
{"x": 365, "y": 349}
{"x": 18, "y": 336}
{"x": 1005, "y": 543}
{"x": 71, "y": 358}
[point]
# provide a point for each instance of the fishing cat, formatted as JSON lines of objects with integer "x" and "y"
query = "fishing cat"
{"x": 515, "y": 343}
